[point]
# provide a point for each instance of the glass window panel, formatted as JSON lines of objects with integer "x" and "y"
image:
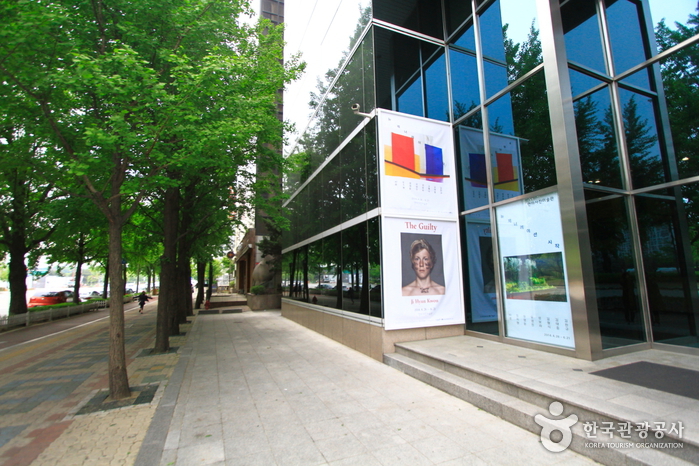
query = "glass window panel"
{"x": 642, "y": 79}
{"x": 355, "y": 259}
{"x": 423, "y": 16}
{"x": 492, "y": 39}
{"x": 582, "y": 34}
{"x": 669, "y": 14}
{"x": 679, "y": 73}
{"x": 464, "y": 81}
{"x": 581, "y": 82}
{"x": 457, "y": 11}
{"x": 372, "y": 166}
{"x": 524, "y": 53}
{"x": 371, "y": 281}
{"x": 472, "y": 160}
{"x": 669, "y": 263}
{"x": 495, "y": 77}
{"x": 597, "y": 142}
{"x": 500, "y": 115}
{"x": 330, "y": 283}
{"x": 467, "y": 39}
{"x": 624, "y": 19}
{"x": 522, "y": 151}
{"x": 642, "y": 141}
{"x": 353, "y": 200}
{"x": 436, "y": 89}
{"x": 355, "y": 85}
{"x": 316, "y": 212}
{"x": 616, "y": 280}
{"x": 480, "y": 273}
{"x": 410, "y": 99}
{"x": 333, "y": 193}
{"x": 298, "y": 273}
{"x": 313, "y": 272}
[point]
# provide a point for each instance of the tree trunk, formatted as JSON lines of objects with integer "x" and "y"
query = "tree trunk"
{"x": 211, "y": 281}
{"x": 105, "y": 289}
{"x": 168, "y": 262}
{"x": 201, "y": 278}
{"x": 18, "y": 279}
{"x": 118, "y": 378}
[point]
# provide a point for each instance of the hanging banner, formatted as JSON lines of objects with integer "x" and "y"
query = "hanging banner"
{"x": 422, "y": 273}
{"x": 482, "y": 272}
{"x": 506, "y": 168}
{"x": 417, "y": 166}
{"x": 537, "y": 304}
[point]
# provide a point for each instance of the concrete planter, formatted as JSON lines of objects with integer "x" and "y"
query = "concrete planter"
{"x": 260, "y": 302}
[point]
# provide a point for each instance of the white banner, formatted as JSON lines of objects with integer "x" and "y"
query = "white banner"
{"x": 537, "y": 304}
{"x": 417, "y": 166}
{"x": 422, "y": 273}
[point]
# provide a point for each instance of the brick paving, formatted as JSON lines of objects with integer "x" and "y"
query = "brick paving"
{"x": 45, "y": 383}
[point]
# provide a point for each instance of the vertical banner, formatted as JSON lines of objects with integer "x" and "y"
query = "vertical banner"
{"x": 417, "y": 166}
{"x": 506, "y": 168}
{"x": 422, "y": 273}
{"x": 537, "y": 304}
{"x": 421, "y": 249}
{"x": 482, "y": 273}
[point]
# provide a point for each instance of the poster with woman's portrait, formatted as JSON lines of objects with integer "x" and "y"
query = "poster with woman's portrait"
{"x": 422, "y": 265}
{"x": 423, "y": 289}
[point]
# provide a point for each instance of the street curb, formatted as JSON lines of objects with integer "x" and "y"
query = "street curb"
{"x": 154, "y": 442}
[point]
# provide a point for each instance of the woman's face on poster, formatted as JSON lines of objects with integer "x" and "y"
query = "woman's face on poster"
{"x": 422, "y": 263}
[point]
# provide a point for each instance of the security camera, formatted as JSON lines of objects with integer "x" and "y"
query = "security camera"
{"x": 355, "y": 109}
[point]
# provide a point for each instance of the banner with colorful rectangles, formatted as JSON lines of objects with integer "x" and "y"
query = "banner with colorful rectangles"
{"x": 417, "y": 166}
{"x": 506, "y": 168}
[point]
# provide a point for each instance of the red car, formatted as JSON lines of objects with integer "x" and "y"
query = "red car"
{"x": 48, "y": 297}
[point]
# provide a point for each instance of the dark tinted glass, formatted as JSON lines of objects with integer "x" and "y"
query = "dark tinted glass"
{"x": 522, "y": 157}
{"x": 464, "y": 81}
{"x": 372, "y": 274}
{"x": 669, "y": 258}
{"x": 354, "y": 260}
{"x": 423, "y": 16}
{"x": 679, "y": 82}
{"x": 437, "y": 96}
{"x": 641, "y": 133}
{"x": 616, "y": 279}
{"x": 624, "y": 19}
{"x": 599, "y": 156}
{"x": 492, "y": 39}
{"x": 581, "y": 82}
{"x": 582, "y": 34}
{"x": 457, "y": 11}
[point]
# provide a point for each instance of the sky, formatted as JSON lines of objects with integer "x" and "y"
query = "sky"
{"x": 326, "y": 34}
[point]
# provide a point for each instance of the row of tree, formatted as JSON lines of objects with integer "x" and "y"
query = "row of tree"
{"x": 142, "y": 119}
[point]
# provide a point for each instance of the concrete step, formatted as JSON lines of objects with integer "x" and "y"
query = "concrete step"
{"x": 515, "y": 402}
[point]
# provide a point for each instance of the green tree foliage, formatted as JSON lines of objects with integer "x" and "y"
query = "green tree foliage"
{"x": 133, "y": 91}
{"x": 681, "y": 86}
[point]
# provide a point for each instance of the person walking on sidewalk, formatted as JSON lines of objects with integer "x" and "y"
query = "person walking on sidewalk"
{"x": 142, "y": 299}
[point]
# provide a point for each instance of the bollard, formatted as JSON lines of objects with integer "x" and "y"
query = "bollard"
{"x": 206, "y": 305}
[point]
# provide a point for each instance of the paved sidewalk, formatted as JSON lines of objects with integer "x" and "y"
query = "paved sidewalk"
{"x": 47, "y": 379}
{"x": 256, "y": 389}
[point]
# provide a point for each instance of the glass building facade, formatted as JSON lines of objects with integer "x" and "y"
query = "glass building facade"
{"x": 575, "y": 162}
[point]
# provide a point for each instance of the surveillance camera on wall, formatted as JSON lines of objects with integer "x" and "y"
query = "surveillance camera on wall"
{"x": 355, "y": 109}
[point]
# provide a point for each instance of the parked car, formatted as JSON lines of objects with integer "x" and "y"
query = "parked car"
{"x": 46, "y": 298}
